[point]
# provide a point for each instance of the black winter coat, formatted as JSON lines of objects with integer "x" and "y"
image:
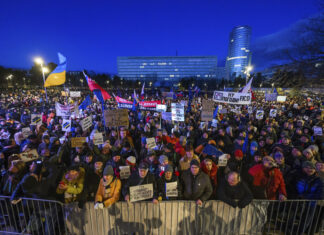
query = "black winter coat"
{"x": 162, "y": 187}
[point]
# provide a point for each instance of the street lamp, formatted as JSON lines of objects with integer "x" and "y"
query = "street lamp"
{"x": 40, "y": 61}
{"x": 248, "y": 69}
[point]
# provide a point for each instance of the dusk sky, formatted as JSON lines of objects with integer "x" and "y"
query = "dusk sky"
{"x": 91, "y": 34}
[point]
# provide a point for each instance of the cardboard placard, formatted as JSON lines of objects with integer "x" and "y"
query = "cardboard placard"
{"x": 171, "y": 189}
{"x": 150, "y": 143}
{"x": 273, "y": 113}
{"x": 124, "y": 172}
{"x": 77, "y": 141}
{"x": 207, "y": 116}
{"x": 177, "y": 111}
{"x": 86, "y": 123}
{"x": 281, "y": 98}
{"x": 259, "y": 114}
{"x": 116, "y": 118}
{"x": 98, "y": 138}
{"x": 222, "y": 160}
{"x": 66, "y": 125}
{"x": 26, "y": 132}
{"x": 141, "y": 192}
{"x": 75, "y": 93}
{"x": 36, "y": 119}
{"x": 29, "y": 156}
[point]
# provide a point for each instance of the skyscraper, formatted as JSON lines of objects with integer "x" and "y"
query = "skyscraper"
{"x": 239, "y": 54}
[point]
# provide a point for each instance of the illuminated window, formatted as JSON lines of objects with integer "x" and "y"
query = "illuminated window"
{"x": 142, "y": 76}
{"x": 237, "y": 65}
{"x": 162, "y": 63}
{"x": 198, "y": 75}
{"x": 144, "y": 63}
{"x": 170, "y": 63}
{"x": 141, "y": 67}
{"x": 176, "y": 69}
{"x": 243, "y": 48}
{"x": 232, "y": 40}
{"x": 171, "y": 75}
{"x": 237, "y": 57}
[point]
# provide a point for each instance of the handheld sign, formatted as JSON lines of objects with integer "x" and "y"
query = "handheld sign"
{"x": 150, "y": 143}
{"x": 98, "y": 138}
{"x": 318, "y": 131}
{"x": 75, "y": 93}
{"x": 273, "y": 113}
{"x": 171, "y": 189}
{"x": 29, "y": 156}
{"x": 124, "y": 172}
{"x": 222, "y": 160}
{"x": 177, "y": 111}
{"x": 141, "y": 192}
{"x": 77, "y": 141}
{"x": 161, "y": 107}
{"x": 36, "y": 119}
{"x": 116, "y": 118}
{"x": 66, "y": 125}
{"x": 86, "y": 123}
{"x": 259, "y": 114}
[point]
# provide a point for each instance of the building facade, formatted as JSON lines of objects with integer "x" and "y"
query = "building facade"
{"x": 239, "y": 54}
{"x": 167, "y": 68}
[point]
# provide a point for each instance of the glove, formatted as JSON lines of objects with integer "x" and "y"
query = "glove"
{"x": 98, "y": 205}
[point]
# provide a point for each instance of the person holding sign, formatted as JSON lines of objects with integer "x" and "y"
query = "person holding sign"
{"x": 109, "y": 189}
{"x": 141, "y": 177}
{"x": 169, "y": 185}
{"x": 196, "y": 184}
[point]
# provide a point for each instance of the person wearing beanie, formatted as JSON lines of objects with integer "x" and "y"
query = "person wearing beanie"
{"x": 140, "y": 177}
{"x": 308, "y": 155}
{"x": 197, "y": 185}
{"x": 109, "y": 189}
{"x": 169, "y": 176}
{"x": 131, "y": 162}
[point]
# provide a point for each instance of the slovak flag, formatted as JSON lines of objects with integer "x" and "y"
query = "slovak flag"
{"x": 93, "y": 86}
{"x": 142, "y": 92}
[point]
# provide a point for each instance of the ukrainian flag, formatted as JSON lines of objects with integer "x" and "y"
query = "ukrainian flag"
{"x": 57, "y": 77}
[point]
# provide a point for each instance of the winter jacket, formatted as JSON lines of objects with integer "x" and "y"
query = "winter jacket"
{"x": 108, "y": 194}
{"x": 161, "y": 182}
{"x": 212, "y": 174}
{"x": 196, "y": 187}
{"x": 267, "y": 183}
{"x": 238, "y": 195}
{"x": 184, "y": 163}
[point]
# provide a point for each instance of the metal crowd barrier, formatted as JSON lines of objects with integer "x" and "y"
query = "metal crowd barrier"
{"x": 33, "y": 216}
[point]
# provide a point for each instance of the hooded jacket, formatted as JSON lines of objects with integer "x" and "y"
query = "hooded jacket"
{"x": 108, "y": 194}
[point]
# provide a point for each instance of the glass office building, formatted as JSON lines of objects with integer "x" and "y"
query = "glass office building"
{"x": 239, "y": 54}
{"x": 167, "y": 68}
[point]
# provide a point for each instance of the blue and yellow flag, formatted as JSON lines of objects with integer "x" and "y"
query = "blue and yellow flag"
{"x": 57, "y": 77}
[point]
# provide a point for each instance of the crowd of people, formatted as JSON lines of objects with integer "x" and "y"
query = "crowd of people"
{"x": 273, "y": 158}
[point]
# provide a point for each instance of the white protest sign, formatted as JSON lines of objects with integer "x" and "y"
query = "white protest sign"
{"x": 29, "y": 156}
{"x": 98, "y": 138}
{"x": 220, "y": 107}
{"x": 66, "y": 125}
{"x": 66, "y": 110}
{"x": 273, "y": 113}
{"x": 167, "y": 116}
{"x": 214, "y": 123}
{"x": 318, "y": 131}
{"x": 36, "y": 119}
{"x": 259, "y": 114}
{"x": 222, "y": 160}
{"x": 141, "y": 192}
{"x": 124, "y": 172}
{"x": 281, "y": 98}
{"x": 86, "y": 123}
{"x": 177, "y": 111}
{"x": 171, "y": 189}
{"x": 250, "y": 109}
{"x": 232, "y": 97}
{"x": 26, "y": 132}
{"x": 295, "y": 106}
{"x": 75, "y": 93}
{"x": 305, "y": 118}
{"x": 150, "y": 143}
{"x": 161, "y": 107}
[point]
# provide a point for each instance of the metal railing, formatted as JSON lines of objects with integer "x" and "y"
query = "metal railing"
{"x": 32, "y": 216}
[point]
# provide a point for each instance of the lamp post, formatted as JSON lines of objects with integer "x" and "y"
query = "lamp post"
{"x": 248, "y": 69}
{"x": 40, "y": 61}
{"x": 9, "y": 78}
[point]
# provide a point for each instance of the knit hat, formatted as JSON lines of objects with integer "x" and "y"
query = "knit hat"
{"x": 238, "y": 153}
{"x": 99, "y": 159}
{"x": 131, "y": 160}
{"x": 308, "y": 164}
{"x": 194, "y": 162}
{"x": 108, "y": 170}
{"x": 163, "y": 158}
{"x": 143, "y": 165}
{"x": 168, "y": 168}
{"x": 308, "y": 151}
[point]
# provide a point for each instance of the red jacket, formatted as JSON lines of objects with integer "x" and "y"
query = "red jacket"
{"x": 179, "y": 149}
{"x": 272, "y": 180}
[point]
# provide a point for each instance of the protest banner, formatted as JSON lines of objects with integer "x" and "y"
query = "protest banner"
{"x": 150, "y": 143}
{"x": 86, "y": 123}
{"x": 273, "y": 113}
{"x": 66, "y": 110}
{"x": 66, "y": 125}
{"x": 98, "y": 138}
{"x": 149, "y": 105}
{"x": 116, "y": 118}
{"x": 26, "y": 132}
{"x": 281, "y": 98}
{"x": 167, "y": 116}
{"x": 75, "y": 93}
{"x": 161, "y": 108}
{"x": 232, "y": 97}
{"x": 124, "y": 172}
{"x": 141, "y": 192}
{"x": 222, "y": 160}
{"x": 36, "y": 119}
{"x": 28, "y": 156}
{"x": 271, "y": 97}
{"x": 123, "y": 103}
{"x": 318, "y": 131}
{"x": 171, "y": 189}
{"x": 77, "y": 141}
{"x": 259, "y": 114}
{"x": 177, "y": 111}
